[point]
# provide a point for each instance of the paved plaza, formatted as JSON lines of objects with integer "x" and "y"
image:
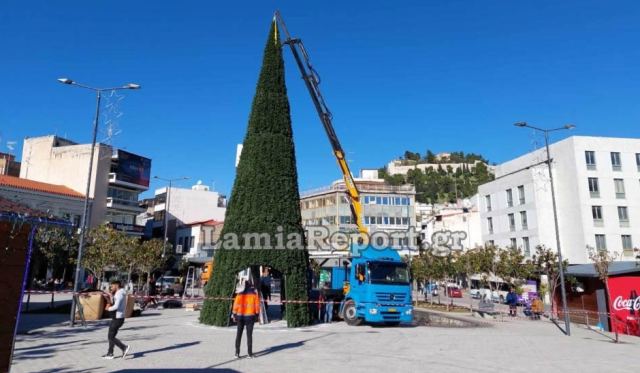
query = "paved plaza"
{"x": 173, "y": 341}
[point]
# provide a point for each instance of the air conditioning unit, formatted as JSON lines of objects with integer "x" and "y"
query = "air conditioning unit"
{"x": 178, "y": 249}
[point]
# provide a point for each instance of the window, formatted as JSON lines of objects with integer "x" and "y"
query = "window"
{"x": 378, "y": 200}
{"x": 385, "y": 200}
{"x": 405, "y": 221}
{"x": 601, "y": 242}
{"x": 379, "y": 220}
{"x": 191, "y": 241}
{"x": 638, "y": 160}
{"x": 615, "y": 161}
{"x": 619, "y": 185}
{"x": 626, "y": 242}
{"x": 490, "y": 243}
{"x": 512, "y": 222}
{"x": 590, "y": 158}
{"x": 523, "y": 220}
{"x": 525, "y": 246}
{"x": 180, "y": 240}
{"x": 596, "y": 212}
{"x": 514, "y": 244}
{"x": 386, "y": 220}
{"x": 397, "y": 201}
{"x": 490, "y": 225}
{"x": 392, "y": 220}
{"x": 366, "y": 220}
{"x": 521, "y": 194}
{"x": 623, "y": 216}
{"x": 487, "y": 200}
{"x": 509, "y": 198}
{"x": 594, "y": 187}
{"x": 366, "y": 200}
{"x": 212, "y": 237}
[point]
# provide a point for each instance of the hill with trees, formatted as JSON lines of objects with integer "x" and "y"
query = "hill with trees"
{"x": 436, "y": 180}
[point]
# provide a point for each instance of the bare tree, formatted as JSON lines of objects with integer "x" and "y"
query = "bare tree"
{"x": 601, "y": 261}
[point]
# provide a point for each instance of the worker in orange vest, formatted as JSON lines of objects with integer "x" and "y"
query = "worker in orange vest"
{"x": 246, "y": 309}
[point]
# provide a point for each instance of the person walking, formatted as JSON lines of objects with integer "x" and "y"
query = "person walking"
{"x": 117, "y": 309}
{"x": 246, "y": 309}
{"x": 512, "y": 301}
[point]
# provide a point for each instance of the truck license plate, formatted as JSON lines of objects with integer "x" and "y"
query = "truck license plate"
{"x": 392, "y": 310}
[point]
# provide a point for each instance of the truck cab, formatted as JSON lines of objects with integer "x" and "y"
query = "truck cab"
{"x": 379, "y": 289}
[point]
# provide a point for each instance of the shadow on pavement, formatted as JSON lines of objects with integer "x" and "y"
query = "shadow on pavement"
{"x": 65, "y": 369}
{"x": 178, "y": 370}
{"x": 287, "y": 346}
{"x": 167, "y": 348}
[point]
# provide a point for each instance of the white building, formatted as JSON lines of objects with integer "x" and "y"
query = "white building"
{"x": 197, "y": 240}
{"x": 463, "y": 216}
{"x": 54, "y": 200}
{"x": 597, "y": 192}
{"x": 386, "y": 208}
{"x": 185, "y": 206}
{"x": 118, "y": 177}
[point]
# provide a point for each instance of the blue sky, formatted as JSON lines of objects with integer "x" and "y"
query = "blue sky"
{"x": 444, "y": 75}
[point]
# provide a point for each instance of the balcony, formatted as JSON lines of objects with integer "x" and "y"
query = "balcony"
{"x": 124, "y": 205}
{"x": 130, "y": 229}
{"x": 114, "y": 179}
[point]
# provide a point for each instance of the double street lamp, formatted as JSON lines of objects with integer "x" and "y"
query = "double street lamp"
{"x": 167, "y": 203}
{"x": 563, "y": 292}
{"x": 85, "y": 211}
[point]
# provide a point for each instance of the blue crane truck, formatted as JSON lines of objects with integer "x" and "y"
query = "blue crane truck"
{"x": 372, "y": 285}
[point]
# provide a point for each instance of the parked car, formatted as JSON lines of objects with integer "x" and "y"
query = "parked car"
{"x": 453, "y": 291}
{"x": 169, "y": 285}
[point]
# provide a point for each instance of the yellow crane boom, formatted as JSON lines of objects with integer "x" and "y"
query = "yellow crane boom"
{"x": 312, "y": 81}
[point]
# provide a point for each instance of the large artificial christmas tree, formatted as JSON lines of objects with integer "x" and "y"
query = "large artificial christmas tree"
{"x": 264, "y": 200}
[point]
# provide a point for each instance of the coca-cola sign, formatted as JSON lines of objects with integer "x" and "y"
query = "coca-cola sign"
{"x": 624, "y": 292}
{"x": 626, "y": 304}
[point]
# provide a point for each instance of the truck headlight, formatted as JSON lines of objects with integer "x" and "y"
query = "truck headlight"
{"x": 408, "y": 312}
{"x": 373, "y": 311}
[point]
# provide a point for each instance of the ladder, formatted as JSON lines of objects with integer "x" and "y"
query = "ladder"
{"x": 189, "y": 282}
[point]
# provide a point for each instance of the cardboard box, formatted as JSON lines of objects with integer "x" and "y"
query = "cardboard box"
{"x": 93, "y": 306}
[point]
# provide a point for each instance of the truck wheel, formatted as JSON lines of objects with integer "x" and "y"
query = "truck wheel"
{"x": 350, "y": 314}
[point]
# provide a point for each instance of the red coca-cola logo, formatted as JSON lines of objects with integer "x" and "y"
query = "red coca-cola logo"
{"x": 626, "y": 304}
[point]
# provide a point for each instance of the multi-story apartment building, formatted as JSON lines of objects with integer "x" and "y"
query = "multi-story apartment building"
{"x": 597, "y": 187}
{"x": 386, "y": 208}
{"x": 197, "y": 240}
{"x": 463, "y": 216}
{"x": 117, "y": 178}
{"x": 185, "y": 206}
{"x": 8, "y": 165}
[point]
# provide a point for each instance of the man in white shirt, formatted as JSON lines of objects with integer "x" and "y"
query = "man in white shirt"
{"x": 117, "y": 309}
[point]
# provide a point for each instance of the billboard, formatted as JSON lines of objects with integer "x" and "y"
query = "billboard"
{"x": 133, "y": 168}
{"x": 624, "y": 294}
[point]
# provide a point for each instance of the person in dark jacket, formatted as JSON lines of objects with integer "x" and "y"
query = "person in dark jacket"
{"x": 512, "y": 301}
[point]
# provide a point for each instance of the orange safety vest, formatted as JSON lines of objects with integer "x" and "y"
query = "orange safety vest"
{"x": 246, "y": 304}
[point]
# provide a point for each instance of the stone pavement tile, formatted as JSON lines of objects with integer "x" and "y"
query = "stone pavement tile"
{"x": 174, "y": 341}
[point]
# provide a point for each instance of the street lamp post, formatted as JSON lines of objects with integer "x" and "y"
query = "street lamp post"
{"x": 85, "y": 211}
{"x": 167, "y": 203}
{"x": 563, "y": 292}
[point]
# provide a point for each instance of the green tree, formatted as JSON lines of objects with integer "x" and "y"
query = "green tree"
{"x": 545, "y": 261}
{"x": 264, "y": 200}
{"x": 103, "y": 250}
{"x": 149, "y": 256}
{"x": 57, "y": 246}
{"x": 513, "y": 267}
